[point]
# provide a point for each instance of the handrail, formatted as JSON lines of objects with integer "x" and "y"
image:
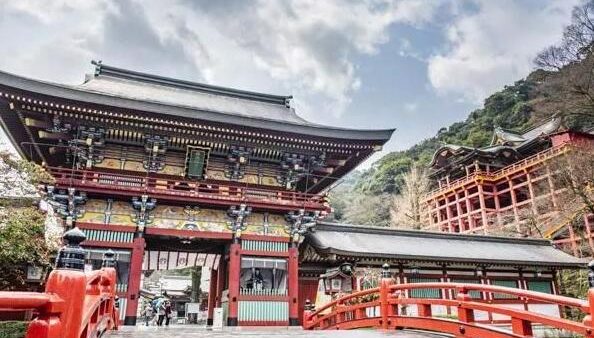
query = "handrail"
{"x": 27, "y": 300}
{"x": 75, "y": 304}
{"x": 527, "y": 294}
{"x": 184, "y": 187}
{"x": 353, "y": 311}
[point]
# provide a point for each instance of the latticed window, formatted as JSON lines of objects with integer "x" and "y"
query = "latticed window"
{"x": 424, "y": 293}
{"x": 507, "y": 284}
{"x": 540, "y": 286}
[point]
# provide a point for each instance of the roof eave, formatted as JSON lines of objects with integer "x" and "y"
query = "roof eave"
{"x": 475, "y": 261}
{"x": 69, "y": 93}
{"x": 434, "y": 234}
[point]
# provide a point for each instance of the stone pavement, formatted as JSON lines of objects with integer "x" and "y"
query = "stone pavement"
{"x": 187, "y": 331}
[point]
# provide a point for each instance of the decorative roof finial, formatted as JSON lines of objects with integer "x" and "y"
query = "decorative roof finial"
{"x": 97, "y": 65}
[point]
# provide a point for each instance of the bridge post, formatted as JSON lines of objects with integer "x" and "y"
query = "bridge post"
{"x": 384, "y": 296}
{"x": 588, "y": 319}
{"x": 308, "y": 309}
{"x": 464, "y": 314}
{"x": 521, "y": 327}
{"x": 69, "y": 282}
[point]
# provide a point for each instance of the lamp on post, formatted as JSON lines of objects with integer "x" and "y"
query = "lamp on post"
{"x": 338, "y": 279}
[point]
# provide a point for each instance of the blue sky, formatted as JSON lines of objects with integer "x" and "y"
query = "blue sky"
{"x": 416, "y": 65}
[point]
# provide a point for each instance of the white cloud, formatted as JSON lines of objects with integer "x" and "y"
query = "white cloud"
{"x": 495, "y": 45}
{"x": 303, "y": 47}
{"x": 407, "y": 50}
{"x": 411, "y": 107}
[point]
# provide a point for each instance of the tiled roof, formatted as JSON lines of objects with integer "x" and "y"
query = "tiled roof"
{"x": 359, "y": 241}
{"x": 168, "y": 98}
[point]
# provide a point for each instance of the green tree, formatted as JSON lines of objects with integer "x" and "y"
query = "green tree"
{"x": 22, "y": 243}
{"x": 22, "y": 225}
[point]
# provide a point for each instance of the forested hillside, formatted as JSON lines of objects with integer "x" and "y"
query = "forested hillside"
{"x": 562, "y": 85}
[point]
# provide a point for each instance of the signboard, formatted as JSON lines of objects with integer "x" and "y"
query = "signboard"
{"x": 192, "y": 307}
{"x": 196, "y": 159}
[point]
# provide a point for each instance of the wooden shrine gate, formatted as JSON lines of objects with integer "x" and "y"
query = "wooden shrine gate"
{"x": 385, "y": 307}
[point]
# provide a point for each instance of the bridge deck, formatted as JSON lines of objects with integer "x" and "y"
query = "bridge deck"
{"x": 201, "y": 332}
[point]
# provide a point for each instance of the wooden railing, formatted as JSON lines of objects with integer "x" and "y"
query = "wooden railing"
{"x": 503, "y": 172}
{"x": 75, "y": 304}
{"x": 180, "y": 189}
{"x": 382, "y": 307}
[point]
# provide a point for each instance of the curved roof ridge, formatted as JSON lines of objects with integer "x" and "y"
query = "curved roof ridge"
{"x": 241, "y": 112}
{"x": 102, "y": 69}
{"x": 437, "y": 234}
{"x": 395, "y": 244}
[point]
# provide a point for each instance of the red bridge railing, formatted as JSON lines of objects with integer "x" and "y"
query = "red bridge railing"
{"x": 180, "y": 189}
{"x": 75, "y": 304}
{"x": 382, "y": 307}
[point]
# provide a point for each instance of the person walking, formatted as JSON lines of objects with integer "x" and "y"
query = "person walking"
{"x": 148, "y": 313}
{"x": 161, "y": 309}
{"x": 167, "y": 312}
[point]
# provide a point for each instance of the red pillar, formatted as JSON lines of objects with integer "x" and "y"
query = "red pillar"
{"x": 134, "y": 281}
{"x": 384, "y": 292}
{"x": 573, "y": 241}
{"x": 234, "y": 271}
{"x": 221, "y": 276}
{"x": 483, "y": 207}
{"x": 293, "y": 290}
{"x": 212, "y": 295}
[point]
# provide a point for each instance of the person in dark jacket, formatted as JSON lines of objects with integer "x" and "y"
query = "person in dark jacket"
{"x": 167, "y": 312}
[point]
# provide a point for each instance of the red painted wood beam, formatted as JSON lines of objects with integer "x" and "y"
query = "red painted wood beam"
{"x": 103, "y": 226}
{"x": 188, "y": 233}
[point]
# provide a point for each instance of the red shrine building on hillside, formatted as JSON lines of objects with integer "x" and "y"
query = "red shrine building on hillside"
{"x": 510, "y": 182}
{"x": 171, "y": 174}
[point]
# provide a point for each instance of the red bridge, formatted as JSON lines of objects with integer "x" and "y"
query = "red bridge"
{"x": 385, "y": 307}
{"x": 76, "y": 304}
